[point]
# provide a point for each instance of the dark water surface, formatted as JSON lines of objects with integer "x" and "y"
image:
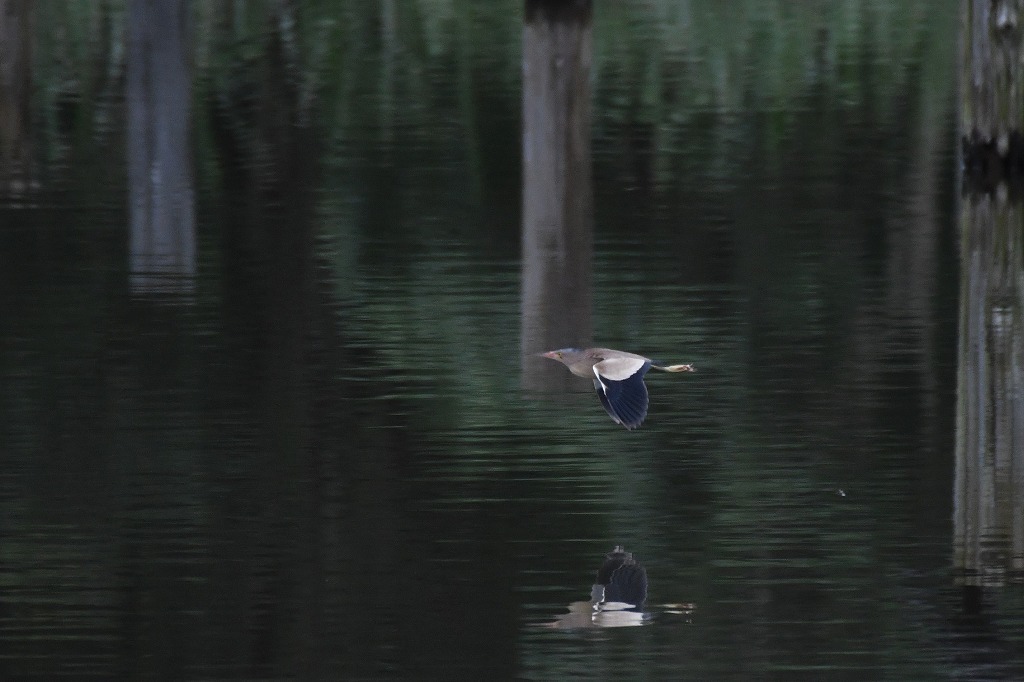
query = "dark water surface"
{"x": 308, "y": 453}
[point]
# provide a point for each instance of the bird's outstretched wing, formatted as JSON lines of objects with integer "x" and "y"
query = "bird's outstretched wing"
{"x": 620, "y": 386}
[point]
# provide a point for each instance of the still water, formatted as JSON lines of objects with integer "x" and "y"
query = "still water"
{"x": 306, "y": 448}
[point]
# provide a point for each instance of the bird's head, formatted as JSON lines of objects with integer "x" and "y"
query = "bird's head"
{"x": 562, "y": 354}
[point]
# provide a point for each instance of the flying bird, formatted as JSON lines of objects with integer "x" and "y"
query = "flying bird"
{"x": 618, "y": 378}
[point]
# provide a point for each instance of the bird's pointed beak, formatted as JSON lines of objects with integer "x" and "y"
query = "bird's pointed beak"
{"x": 550, "y": 354}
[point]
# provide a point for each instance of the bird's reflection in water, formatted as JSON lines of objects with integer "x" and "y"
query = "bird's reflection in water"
{"x": 616, "y": 599}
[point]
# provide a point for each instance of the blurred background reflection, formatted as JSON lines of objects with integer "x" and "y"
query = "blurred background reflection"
{"x": 313, "y": 448}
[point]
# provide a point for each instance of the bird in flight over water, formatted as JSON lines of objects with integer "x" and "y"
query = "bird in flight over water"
{"x": 618, "y": 378}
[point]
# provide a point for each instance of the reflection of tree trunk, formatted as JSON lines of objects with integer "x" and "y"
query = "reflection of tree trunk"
{"x": 557, "y": 185}
{"x": 989, "y": 487}
{"x": 272, "y": 568}
{"x": 15, "y": 91}
{"x": 162, "y": 213}
{"x": 913, "y": 266}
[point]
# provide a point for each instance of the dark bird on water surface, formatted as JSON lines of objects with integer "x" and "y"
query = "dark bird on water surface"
{"x": 620, "y": 579}
{"x": 618, "y": 378}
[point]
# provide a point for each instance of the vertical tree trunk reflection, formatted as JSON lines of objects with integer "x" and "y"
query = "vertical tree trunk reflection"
{"x": 557, "y": 185}
{"x": 15, "y": 95}
{"x": 989, "y": 486}
{"x": 162, "y": 249}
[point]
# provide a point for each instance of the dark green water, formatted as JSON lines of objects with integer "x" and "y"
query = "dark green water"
{"x": 313, "y": 458}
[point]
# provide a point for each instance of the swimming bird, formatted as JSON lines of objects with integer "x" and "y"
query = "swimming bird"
{"x": 618, "y": 378}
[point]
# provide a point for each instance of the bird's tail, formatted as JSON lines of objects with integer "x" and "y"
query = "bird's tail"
{"x": 674, "y": 368}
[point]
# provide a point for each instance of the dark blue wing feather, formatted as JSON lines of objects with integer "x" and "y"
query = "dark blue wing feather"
{"x": 623, "y": 578}
{"x": 627, "y": 584}
{"x": 626, "y": 401}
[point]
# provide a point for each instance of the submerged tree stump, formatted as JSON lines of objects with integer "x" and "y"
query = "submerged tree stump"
{"x": 992, "y": 91}
{"x": 988, "y": 490}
